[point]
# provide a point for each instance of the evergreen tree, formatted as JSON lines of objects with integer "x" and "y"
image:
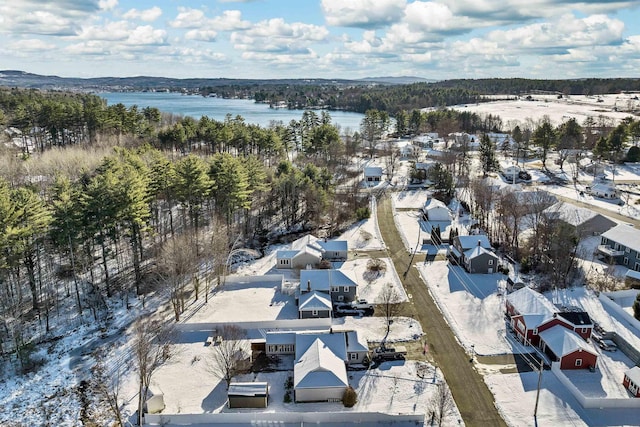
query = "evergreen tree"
{"x": 488, "y": 155}
{"x": 544, "y": 137}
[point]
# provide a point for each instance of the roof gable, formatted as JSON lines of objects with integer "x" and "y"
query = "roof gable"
{"x": 315, "y": 301}
{"x": 577, "y": 318}
{"x": 563, "y": 341}
{"x": 335, "y": 341}
{"x": 528, "y": 301}
{"x": 478, "y": 251}
{"x": 319, "y": 367}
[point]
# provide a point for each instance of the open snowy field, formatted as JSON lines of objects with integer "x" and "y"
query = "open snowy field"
{"x": 559, "y": 110}
{"x": 371, "y": 285}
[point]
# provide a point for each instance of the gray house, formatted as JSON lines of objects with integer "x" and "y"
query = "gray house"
{"x": 334, "y": 250}
{"x": 314, "y": 304}
{"x": 621, "y": 245}
{"x": 474, "y": 253}
{"x": 338, "y": 285}
{"x": 585, "y": 221}
{"x": 480, "y": 260}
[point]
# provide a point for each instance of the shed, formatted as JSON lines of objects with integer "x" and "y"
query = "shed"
{"x": 155, "y": 404}
{"x": 372, "y": 175}
{"x": 632, "y": 381}
{"x": 248, "y": 395}
{"x": 632, "y": 278}
{"x": 604, "y": 191}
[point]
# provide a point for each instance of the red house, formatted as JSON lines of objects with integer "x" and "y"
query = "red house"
{"x": 567, "y": 347}
{"x": 632, "y": 381}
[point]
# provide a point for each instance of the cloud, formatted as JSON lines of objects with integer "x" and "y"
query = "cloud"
{"x": 31, "y": 45}
{"x": 201, "y": 35}
{"x": 146, "y": 35}
{"x": 277, "y": 36}
{"x": 362, "y": 13}
{"x": 230, "y": 20}
{"x": 147, "y": 15}
{"x": 118, "y": 30}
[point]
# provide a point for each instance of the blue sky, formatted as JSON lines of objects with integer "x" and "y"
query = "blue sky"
{"x": 438, "y": 39}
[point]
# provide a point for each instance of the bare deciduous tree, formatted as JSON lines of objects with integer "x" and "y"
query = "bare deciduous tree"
{"x": 389, "y": 300}
{"x": 107, "y": 388}
{"x": 228, "y": 357}
{"x": 151, "y": 348}
{"x": 177, "y": 263}
{"x": 442, "y": 402}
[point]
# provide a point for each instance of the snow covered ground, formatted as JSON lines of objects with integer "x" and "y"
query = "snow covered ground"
{"x": 558, "y": 110}
{"x": 472, "y": 305}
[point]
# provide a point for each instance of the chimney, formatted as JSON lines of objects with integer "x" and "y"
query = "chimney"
{"x": 309, "y": 285}
{"x": 479, "y": 244}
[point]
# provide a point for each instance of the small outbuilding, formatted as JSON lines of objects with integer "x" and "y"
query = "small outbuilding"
{"x": 632, "y": 381}
{"x": 568, "y": 348}
{"x": 436, "y": 210}
{"x": 248, "y": 395}
{"x": 372, "y": 175}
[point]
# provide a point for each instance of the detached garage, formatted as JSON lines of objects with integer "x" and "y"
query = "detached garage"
{"x": 248, "y": 395}
{"x": 567, "y": 348}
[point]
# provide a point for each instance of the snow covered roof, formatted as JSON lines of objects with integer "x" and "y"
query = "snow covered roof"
{"x": 454, "y": 250}
{"x": 434, "y": 204}
{"x": 336, "y": 341}
{"x": 334, "y": 245}
{"x": 274, "y": 280}
{"x": 534, "y": 320}
{"x": 577, "y": 318}
{"x": 571, "y": 214}
{"x": 633, "y": 374}
{"x": 319, "y": 367}
{"x": 528, "y": 301}
{"x": 302, "y": 242}
{"x": 322, "y": 280}
{"x": 257, "y": 389}
{"x": 309, "y": 249}
{"x": 563, "y": 341}
{"x": 355, "y": 342}
{"x": 315, "y": 301}
{"x": 624, "y": 234}
{"x": 280, "y": 337}
{"x": 286, "y": 254}
{"x": 633, "y": 274}
{"x": 477, "y": 251}
{"x": 468, "y": 242}
{"x": 373, "y": 171}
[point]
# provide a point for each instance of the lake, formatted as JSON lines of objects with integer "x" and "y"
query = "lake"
{"x": 197, "y": 106}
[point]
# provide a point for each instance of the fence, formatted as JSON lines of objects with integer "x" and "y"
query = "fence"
{"x": 267, "y": 324}
{"x": 594, "y": 402}
{"x": 272, "y": 418}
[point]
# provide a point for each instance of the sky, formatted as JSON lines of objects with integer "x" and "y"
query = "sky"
{"x": 439, "y": 39}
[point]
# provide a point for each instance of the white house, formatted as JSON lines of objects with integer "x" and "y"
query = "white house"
{"x": 372, "y": 175}
{"x": 436, "y": 210}
{"x": 604, "y": 190}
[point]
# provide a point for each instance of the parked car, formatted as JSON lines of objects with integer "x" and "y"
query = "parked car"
{"x": 383, "y": 353}
{"x": 362, "y": 304}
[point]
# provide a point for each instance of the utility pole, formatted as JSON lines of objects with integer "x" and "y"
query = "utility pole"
{"x": 535, "y": 410}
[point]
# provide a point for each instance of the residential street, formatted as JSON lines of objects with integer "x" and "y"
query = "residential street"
{"x": 473, "y": 398}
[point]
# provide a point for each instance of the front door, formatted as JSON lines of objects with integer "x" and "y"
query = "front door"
{"x": 490, "y": 270}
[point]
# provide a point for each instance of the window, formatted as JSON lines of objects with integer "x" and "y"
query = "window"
{"x": 314, "y": 312}
{"x": 584, "y": 330}
{"x": 335, "y": 289}
{"x": 345, "y": 289}
{"x": 627, "y": 250}
{"x": 353, "y": 356}
{"x": 340, "y": 298}
{"x": 637, "y": 266}
{"x": 490, "y": 262}
{"x": 578, "y": 362}
{"x": 626, "y": 261}
{"x": 535, "y": 331}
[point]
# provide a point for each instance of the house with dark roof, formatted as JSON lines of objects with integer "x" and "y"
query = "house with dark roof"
{"x": 621, "y": 245}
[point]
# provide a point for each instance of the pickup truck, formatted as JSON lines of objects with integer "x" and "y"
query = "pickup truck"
{"x": 362, "y": 304}
{"x": 390, "y": 353}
